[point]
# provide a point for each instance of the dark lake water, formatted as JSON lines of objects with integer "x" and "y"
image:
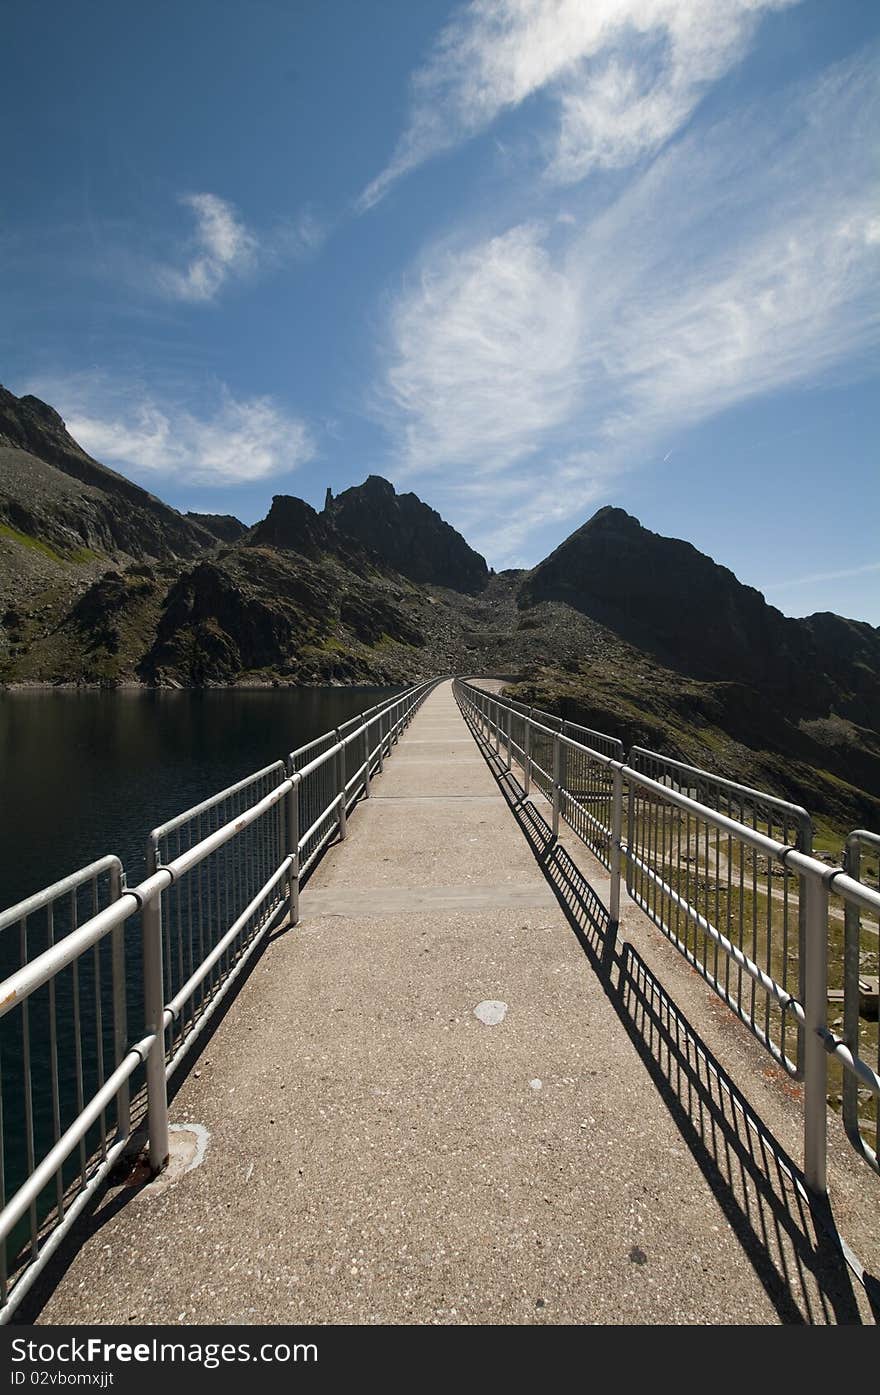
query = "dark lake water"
{"x": 84, "y": 774}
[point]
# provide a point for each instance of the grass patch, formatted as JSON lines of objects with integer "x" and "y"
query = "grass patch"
{"x": 25, "y": 540}
{"x": 80, "y": 556}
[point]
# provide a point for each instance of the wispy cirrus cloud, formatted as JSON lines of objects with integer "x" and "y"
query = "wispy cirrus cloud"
{"x": 844, "y": 574}
{"x": 622, "y": 75}
{"x": 222, "y": 247}
{"x": 485, "y": 351}
{"x": 745, "y": 259}
{"x": 152, "y": 436}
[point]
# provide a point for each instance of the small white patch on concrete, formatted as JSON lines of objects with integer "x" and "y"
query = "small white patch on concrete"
{"x": 491, "y": 1012}
{"x": 535, "y": 1084}
{"x": 188, "y": 1144}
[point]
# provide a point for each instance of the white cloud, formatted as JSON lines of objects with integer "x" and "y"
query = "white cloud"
{"x": 124, "y": 426}
{"x": 484, "y": 354}
{"x": 624, "y": 75}
{"x": 221, "y": 247}
{"x": 744, "y": 260}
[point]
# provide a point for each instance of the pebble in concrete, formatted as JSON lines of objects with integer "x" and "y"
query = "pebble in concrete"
{"x": 491, "y": 1012}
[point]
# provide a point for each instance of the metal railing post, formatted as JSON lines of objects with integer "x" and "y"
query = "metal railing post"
{"x": 616, "y": 830}
{"x": 509, "y": 765}
{"x": 804, "y": 845}
{"x": 366, "y": 761}
{"x": 852, "y": 921}
{"x": 630, "y": 833}
{"x": 154, "y": 1020}
{"x": 816, "y": 1015}
{"x": 381, "y": 743}
{"x": 556, "y": 792}
{"x": 120, "y": 1007}
{"x": 340, "y": 787}
{"x": 293, "y": 850}
{"x": 527, "y": 753}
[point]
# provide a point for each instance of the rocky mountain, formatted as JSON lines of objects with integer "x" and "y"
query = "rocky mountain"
{"x": 225, "y": 527}
{"x": 632, "y": 633}
{"x": 51, "y": 489}
{"x": 407, "y": 534}
{"x": 712, "y": 674}
{"x": 292, "y": 525}
{"x": 671, "y": 601}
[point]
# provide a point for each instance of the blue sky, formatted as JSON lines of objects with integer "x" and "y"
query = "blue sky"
{"x": 525, "y": 257}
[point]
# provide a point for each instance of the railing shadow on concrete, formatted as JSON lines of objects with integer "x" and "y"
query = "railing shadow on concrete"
{"x": 788, "y": 1233}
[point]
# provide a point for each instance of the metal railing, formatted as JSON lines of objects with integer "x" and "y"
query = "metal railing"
{"x": 220, "y": 876}
{"x": 72, "y": 1037}
{"x": 861, "y": 981}
{"x": 683, "y": 871}
{"x": 226, "y": 884}
{"x": 670, "y": 843}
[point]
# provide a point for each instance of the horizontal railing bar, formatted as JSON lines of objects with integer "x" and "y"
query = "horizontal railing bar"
{"x": 602, "y": 735}
{"x": 53, "y": 1242}
{"x": 772, "y": 800}
{"x": 864, "y": 835}
{"x": 320, "y": 760}
{"x": 42, "y": 1175}
{"x": 724, "y": 993}
{"x": 177, "y": 866}
{"x": 171, "y": 824}
{"x": 325, "y": 813}
{"x": 317, "y": 850}
{"x": 770, "y": 986}
{"x": 585, "y": 813}
{"x": 34, "y": 903}
{"x": 208, "y": 1011}
{"x": 31, "y": 976}
{"x": 301, "y": 750}
{"x": 175, "y": 1004}
{"x": 845, "y": 886}
{"x": 837, "y": 1047}
{"x": 834, "y": 878}
{"x": 38, "y": 971}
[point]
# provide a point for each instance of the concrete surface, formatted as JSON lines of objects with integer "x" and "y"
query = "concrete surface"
{"x": 385, "y": 1144}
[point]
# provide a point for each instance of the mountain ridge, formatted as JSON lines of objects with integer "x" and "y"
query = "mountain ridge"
{"x": 631, "y": 632}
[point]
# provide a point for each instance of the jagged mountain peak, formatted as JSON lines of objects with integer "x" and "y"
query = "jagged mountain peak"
{"x": 408, "y": 535}
{"x": 293, "y": 526}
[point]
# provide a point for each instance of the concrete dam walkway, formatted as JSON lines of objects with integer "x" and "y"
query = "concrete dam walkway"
{"x": 423, "y": 1107}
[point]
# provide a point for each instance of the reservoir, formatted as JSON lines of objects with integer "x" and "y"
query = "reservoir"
{"x": 88, "y": 773}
